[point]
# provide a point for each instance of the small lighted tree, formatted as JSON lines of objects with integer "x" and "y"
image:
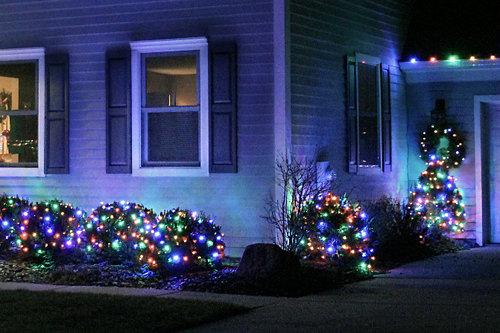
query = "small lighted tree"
{"x": 436, "y": 197}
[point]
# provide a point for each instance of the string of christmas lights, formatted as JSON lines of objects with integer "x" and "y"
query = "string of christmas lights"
{"x": 121, "y": 229}
{"x": 436, "y": 197}
{"x": 337, "y": 231}
{"x": 452, "y": 59}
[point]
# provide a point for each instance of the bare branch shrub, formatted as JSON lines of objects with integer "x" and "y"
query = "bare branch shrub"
{"x": 297, "y": 184}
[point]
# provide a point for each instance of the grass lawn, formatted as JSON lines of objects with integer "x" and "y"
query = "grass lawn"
{"x": 29, "y": 311}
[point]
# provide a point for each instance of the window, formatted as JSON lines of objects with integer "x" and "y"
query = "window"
{"x": 368, "y": 113}
{"x": 170, "y": 107}
{"x": 22, "y": 106}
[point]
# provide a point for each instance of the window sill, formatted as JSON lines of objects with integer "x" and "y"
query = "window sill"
{"x": 170, "y": 172}
{"x": 369, "y": 170}
{"x": 21, "y": 172}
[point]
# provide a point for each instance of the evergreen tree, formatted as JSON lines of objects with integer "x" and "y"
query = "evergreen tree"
{"x": 436, "y": 197}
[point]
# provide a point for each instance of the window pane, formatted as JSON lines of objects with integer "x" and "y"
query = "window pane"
{"x": 368, "y": 89}
{"x": 173, "y": 138}
{"x": 18, "y": 86}
{"x": 171, "y": 81}
{"x": 18, "y": 139}
{"x": 368, "y": 141}
{"x": 18, "y": 134}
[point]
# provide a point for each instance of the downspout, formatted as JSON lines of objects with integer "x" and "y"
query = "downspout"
{"x": 282, "y": 95}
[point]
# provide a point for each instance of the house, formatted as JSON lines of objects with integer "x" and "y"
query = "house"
{"x": 189, "y": 103}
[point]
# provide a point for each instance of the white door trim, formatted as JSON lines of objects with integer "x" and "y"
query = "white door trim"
{"x": 482, "y": 236}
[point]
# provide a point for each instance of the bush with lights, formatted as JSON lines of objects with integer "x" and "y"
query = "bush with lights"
{"x": 116, "y": 232}
{"x": 436, "y": 197}
{"x": 10, "y": 220}
{"x": 121, "y": 231}
{"x": 172, "y": 239}
{"x": 50, "y": 228}
{"x": 42, "y": 230}
{"x": 337, "y": 232}
{"x": 193, "y": 238}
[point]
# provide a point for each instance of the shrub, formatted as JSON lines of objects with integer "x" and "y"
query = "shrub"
{"x": 122, "y": 232}
{"x": 43, "y": 230}
{"x": 130, "y": 232}
{"x": 397, "y": 234}
{"x": 193, "y": 237}
{"x": 286, "y": 211}
{"x": 11, "y": 219}
{"x": 116, "y": 232}
{"x": 337, "y": 232}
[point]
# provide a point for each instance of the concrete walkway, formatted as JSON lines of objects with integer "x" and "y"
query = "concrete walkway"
{"x": 458, "y": 292}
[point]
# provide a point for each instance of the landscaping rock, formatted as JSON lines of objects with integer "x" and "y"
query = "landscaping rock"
{"x": 269, "y": 264}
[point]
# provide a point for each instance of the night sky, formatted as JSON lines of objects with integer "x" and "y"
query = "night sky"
{"x": 463, "y": 28}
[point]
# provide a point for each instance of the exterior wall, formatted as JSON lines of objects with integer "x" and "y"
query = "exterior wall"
{"x": 459, "y": 98}
{"x": 322, "y": 33}
{"x": 86, "y": 29}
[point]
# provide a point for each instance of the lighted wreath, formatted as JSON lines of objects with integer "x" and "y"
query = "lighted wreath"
{"x": 442, "y": 145}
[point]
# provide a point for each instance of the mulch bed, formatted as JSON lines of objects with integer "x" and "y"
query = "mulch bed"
{"x": 315, "y": 278}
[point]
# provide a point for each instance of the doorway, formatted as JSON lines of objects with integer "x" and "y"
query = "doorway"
{"x": 487, "y": 166}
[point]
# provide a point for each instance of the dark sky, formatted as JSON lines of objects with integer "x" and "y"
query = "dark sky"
{"x": 464, "y": 28}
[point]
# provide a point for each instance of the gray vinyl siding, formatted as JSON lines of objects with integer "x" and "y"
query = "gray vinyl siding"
{"x": 459, "y": 99}
{"x": 86, "y": 29}
{"x": 322, "y": 34}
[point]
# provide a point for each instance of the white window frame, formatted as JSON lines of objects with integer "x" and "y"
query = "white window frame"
{"x": 30, "y": 54}
{"x": 199, "y": 44}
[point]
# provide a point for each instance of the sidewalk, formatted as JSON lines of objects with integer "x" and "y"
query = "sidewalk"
{"x": 458, "y": 292}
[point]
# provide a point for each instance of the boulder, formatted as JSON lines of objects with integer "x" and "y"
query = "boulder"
{"x": 270, "y": 264}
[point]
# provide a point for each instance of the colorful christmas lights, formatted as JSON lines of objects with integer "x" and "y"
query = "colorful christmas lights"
{"x": 124, "y": 231}
{"x": 452, "y": 58}
{"x": 436, "y": 197}
{"x": 337, "y": 231}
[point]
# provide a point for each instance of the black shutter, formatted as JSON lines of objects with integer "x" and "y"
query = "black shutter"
{"x": 118, "y": 112}
{"x": 386, "y": 118}
{"x": 57, "y": 114}
{"x": 352, "y": 116}
{"x": 223, "y": 121}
